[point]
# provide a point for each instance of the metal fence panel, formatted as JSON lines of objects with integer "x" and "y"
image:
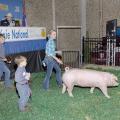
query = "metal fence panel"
{"x": 71, "y": 58}
{"x": 101, "y": 51}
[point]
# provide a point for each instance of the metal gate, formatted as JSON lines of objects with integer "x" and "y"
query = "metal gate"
{"x": 102, "y": 51}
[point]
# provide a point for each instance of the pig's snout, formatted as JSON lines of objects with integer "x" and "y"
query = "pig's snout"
{"x": 116, "y": 84}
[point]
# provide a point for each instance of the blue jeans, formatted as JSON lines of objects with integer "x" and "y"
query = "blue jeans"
{"x": 51, "y": 63}
{"x": 24, "y": 92}
{"x": 4, "y": 69}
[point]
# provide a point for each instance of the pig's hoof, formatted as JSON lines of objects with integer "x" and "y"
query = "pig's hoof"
{"x": 91, "y": 92}
{"x": 71, "y": 95}
{"x": 108, "y": 97}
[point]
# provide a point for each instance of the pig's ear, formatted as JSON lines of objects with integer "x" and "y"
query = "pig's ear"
{"x": 115, "y": 78}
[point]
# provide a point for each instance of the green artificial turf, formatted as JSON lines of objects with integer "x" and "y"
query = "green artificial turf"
{"x": 52, "y": 105}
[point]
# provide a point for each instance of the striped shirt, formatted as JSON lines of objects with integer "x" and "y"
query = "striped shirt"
{"x": 50, "y": 47}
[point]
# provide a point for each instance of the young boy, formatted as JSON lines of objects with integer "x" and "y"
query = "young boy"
{"x": 3, "y": 68}
{"x": 21, "y": 79}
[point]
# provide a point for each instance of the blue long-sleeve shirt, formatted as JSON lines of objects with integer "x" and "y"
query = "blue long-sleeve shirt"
{"x": 50, "y": 47}
{"x": 20, "y": 75}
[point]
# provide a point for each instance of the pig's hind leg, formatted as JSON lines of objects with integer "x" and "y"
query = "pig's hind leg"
{"x": 69, "y": 89}
{"x": 64, "y": 88}
{"x": 104, "y": 90}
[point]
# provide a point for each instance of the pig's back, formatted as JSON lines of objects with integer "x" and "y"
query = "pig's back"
{"x": 85, "y": 73}
{"x": 84, "y": 77}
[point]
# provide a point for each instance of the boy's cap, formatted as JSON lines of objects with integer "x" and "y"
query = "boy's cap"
{"x": 9, "y": 15}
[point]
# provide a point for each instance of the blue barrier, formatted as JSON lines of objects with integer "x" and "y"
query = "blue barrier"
{"x": 24, "y": 46}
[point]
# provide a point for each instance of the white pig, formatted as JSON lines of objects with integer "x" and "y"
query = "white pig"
{"x": 88, "y": 78}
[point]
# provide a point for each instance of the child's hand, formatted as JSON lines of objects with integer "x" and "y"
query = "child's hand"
{"x": 9, "y": 62}
{"x": 4, "y": 59}
{"x": 24, "y": 74}
{"x": 27, "y": 76}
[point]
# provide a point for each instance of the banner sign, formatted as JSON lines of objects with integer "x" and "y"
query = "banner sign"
{"x": 23, "y": 33}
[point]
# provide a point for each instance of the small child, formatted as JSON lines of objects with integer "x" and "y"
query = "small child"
{"x": 21, "y": 79}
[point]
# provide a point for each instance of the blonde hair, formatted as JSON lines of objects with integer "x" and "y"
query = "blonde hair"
{"x": 20, "y": 59}
{"x": 51, "y": 31}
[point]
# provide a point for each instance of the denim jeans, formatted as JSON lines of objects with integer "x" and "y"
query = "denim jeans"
{"x": 51, "y": 63}
{"x": 4, "y": 69}
{"x": 24, "y": 92}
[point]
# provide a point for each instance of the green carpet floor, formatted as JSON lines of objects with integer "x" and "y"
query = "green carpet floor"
{"x": 52, "y": 105}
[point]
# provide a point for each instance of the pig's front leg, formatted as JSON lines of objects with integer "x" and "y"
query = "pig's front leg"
{"x": 104, "y": 90}
{"x": 92, "y": 89}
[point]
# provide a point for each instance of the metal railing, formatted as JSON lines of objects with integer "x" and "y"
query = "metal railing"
{"x": 102, "y": 51}
{"x": 71, "y": 58}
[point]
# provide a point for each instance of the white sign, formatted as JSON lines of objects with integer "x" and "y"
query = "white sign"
{"x": 23, "y": 33}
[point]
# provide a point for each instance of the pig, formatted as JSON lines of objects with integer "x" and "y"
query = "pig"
{"x": 87, "y": 78}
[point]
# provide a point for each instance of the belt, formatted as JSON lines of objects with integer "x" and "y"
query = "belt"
{"x": 23, "y": 83}
{"x": 49, "y": 57}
